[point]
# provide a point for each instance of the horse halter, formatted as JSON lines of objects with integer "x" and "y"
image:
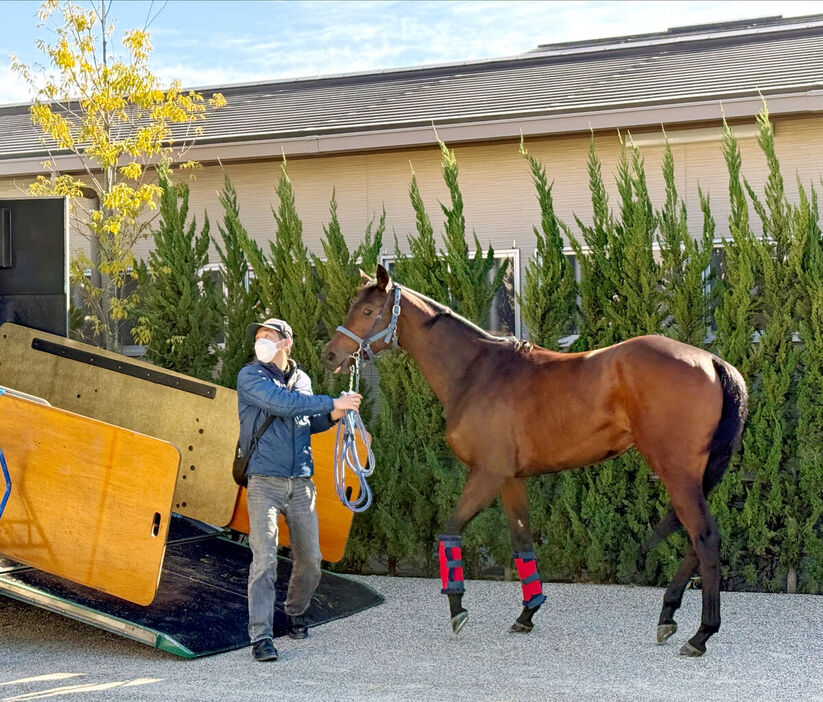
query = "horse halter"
{"x": 388, "y": 335}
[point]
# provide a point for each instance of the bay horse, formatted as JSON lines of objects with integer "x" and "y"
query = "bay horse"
{"x": 514, "y": 410}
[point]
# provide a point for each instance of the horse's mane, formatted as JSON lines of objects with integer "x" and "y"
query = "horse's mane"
{"x": 441, "y": 311}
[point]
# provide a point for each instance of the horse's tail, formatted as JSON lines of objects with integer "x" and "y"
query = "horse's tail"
{"x": 730, "y": 426}
{"x": 723, "y": 443}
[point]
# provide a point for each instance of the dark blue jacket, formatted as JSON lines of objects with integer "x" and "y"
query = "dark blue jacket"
{"x": 285, "y": 449}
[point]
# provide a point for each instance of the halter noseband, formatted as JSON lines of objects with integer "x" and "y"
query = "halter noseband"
{"x": 387, "y": 335}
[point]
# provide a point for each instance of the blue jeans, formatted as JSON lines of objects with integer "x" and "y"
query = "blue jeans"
{"x": 296, "y": 498}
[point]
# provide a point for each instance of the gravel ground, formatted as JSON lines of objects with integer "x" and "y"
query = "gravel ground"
{"x": 591, "y": 642}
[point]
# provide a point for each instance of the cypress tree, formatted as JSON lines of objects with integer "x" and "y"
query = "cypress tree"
{"x": 423, "y": 269}
{"x": 549, "y": 300}
{"x": 770, "y": 452}
{"x": 596, "y": 288}
{"x": 339, "y": 278}
{"x": 339, "y": 273}
{"x": 735, "y": 313}
{"x": 298, "y": 302}
{"x": 238, "y": 307}
{"x": 584, "y": 519}
{"x": 408, "y": 441}
{"x": 735, "y": 318}
{"x": 470, "y": 290}
{"x": 368, "y": 253}
{"x": 418, "y": 483}
{"x": 685, "y": 303}
{"x": 619, "y": 502}
{"x": 549, "y": 308}
{"x": 637, "y": 308}
{"x": 684, "y": 262}
{"x": 807, "y": 507}
{"x": 177, "y": 315}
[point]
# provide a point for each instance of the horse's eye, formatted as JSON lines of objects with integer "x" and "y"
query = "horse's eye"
{"x": 367, "y": 311}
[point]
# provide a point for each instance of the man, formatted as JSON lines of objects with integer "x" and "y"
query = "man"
{"x": 279, "y": 475}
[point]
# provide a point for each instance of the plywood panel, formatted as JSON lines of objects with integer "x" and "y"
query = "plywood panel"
{"x": 90, "y": 502}
{"x": 334, "y": 518}
{"x": 203, "y": 428}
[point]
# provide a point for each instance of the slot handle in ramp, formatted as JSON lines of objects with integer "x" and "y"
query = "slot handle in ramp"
{"x": 7, "y": 479}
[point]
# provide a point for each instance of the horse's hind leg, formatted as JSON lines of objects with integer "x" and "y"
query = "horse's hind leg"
{"x": 666, "y": 625}
{"x": 706, "y": 540}
{"x": 693, "y": 512}
{"x": 516, "y": 506}
{"x": 480, "y": 489}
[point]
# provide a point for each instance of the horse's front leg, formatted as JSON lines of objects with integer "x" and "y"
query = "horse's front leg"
{"x": 516, "y": 506}
{"x": 480, "y": 489}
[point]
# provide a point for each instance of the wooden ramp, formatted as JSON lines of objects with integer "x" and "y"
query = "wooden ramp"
{"x": 197, "y": 417}
{"x": 89, "y": 501}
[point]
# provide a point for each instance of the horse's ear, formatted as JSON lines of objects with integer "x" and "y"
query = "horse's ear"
{"x": 382, "y": 277}
{"x": 365, "y": 278}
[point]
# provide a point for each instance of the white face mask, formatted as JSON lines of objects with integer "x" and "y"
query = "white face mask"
{"x": 265, "y": 350}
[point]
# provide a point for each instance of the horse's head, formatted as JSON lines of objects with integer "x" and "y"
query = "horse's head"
{"x": 370, "y": 324}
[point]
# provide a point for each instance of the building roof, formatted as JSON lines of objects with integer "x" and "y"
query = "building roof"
{"x": 689, "y": 65}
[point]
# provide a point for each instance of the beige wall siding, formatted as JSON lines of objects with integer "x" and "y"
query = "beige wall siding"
{"x": 499, "y": 200}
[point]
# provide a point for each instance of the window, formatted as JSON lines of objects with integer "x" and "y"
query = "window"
{"x": 566, "y": 341}
{"x": 505, "y": 312}
{"x": 85, "y": 331}
{"x": 127, "y": 345}
{"x": 573, "y": 262}
{"x": 214, "y": 272}
{"x": 504, "y": 316}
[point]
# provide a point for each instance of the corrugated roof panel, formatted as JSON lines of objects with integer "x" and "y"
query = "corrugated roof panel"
{"x": 787, "y": 59}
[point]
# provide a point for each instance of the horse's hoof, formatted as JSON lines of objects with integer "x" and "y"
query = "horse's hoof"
{"x": 691, "y": 651}
{"x": 665, "y": 632}
{"x": 459, "y": 621}
{"x": 520, "y": 628}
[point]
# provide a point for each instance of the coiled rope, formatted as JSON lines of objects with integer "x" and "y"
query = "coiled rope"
{"x": 349, "y": 429}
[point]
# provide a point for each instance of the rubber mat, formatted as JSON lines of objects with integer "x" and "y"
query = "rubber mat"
{"x": 201, "y": 605}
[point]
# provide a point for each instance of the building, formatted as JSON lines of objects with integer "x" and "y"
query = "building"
{"x": 359, "y": 134}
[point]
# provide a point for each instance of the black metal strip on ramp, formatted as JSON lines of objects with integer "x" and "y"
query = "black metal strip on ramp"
{"x": 201, "y": 605}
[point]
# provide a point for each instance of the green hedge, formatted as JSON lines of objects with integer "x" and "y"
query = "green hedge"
{"x": 761, "y": 309}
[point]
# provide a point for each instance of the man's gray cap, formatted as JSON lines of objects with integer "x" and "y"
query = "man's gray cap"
{"x": 277, "y": 324}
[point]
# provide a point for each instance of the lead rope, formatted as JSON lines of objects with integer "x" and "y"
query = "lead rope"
{"x": 345, "y": 451}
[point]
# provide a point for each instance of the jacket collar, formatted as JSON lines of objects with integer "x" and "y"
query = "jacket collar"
{"x": 273, "y": 370}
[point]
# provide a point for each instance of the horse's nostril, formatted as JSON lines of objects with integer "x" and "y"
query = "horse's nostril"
{"x": 330, "y": 356}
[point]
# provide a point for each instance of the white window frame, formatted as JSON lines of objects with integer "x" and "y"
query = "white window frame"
{"x": 221, "y": 268}
{"x": 513, "y": 254}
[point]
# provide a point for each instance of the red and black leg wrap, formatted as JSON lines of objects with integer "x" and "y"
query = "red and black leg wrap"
{"x": 451, "y": 564}
{"x": 529, "y": 579}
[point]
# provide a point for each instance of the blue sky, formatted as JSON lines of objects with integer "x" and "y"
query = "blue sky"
{"x": 219, "y": 43}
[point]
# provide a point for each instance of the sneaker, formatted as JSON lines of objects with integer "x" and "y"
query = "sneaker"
{"x": 297, "y": 627}
{"x": 264, "y": 650}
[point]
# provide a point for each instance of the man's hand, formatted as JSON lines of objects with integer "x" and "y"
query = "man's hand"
{"x": 344, "y": 403}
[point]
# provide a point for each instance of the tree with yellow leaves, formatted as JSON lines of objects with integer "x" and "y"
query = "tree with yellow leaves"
{"x": 107, "y": 122}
